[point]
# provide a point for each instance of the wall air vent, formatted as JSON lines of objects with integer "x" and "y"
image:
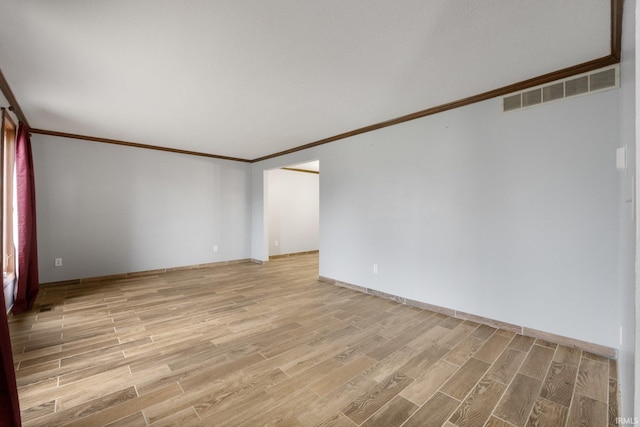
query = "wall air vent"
{"x": 594, "y": 81}
{"x": 553, "y": 92}
{"x": 513, "y": 102}
{"x": 602, "y": 79}
{"x": 531, "y": 97}
{"x": 576, "y": 86}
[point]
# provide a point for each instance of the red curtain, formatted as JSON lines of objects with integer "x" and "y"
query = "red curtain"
{"x": 9, "y": 406}
{"x": 28, "y": 285}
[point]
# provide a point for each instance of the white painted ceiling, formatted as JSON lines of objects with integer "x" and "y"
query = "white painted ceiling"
{"x": 248, "y": 78}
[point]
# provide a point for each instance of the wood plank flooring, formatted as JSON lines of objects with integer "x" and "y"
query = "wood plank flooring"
{"x": 252, "y": 345}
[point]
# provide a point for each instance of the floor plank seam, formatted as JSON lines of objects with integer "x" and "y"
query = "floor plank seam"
{"x": 448, "y": 395}
{"x": 528, "y": 417}
{"x": 573, "y": 394}
{"x": 505, "y": 421}
{"x": 507, "y": 386}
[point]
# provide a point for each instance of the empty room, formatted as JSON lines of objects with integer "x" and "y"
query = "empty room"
{"x": 319, "y": 213}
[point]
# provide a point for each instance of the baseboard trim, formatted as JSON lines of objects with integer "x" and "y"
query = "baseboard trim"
{"x": 144, "y": 273}
{"x": 292, "y": 254}
{"x": 600, "y": 350}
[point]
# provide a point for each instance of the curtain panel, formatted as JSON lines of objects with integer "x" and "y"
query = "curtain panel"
{"x": 28, "y": 283}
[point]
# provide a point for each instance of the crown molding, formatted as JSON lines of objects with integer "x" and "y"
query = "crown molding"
{"x": 300, "y": 170}
{"x": 134, "y": 144}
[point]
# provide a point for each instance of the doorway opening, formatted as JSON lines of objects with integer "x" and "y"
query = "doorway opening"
{"x": 293, "y": 209}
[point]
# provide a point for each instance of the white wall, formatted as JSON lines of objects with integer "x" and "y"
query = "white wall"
{"x": 293, "y": 211}
{"x": 509, "y": 216}
{"x": 107, "y": 209}
{"x": 630, "y": 312}
{"x": 627, "y": 252}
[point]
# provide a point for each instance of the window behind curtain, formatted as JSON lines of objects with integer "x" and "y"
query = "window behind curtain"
{"x": 8, "y": 190}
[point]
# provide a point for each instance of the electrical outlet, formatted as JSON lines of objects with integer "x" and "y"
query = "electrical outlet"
{"x": 58, "y": 262}
{"x": 375, "y": 268}
{"x": 215, "y": 248}
{"x": 276, "y": 243}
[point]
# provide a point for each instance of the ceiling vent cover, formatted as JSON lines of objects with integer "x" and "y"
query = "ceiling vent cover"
{"x": 595, "y": 81}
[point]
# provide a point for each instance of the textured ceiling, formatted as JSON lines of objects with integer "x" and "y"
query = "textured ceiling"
{"x": 248, "y": 78}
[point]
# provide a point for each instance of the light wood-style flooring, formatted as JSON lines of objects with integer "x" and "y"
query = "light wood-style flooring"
{"x": 252, "y": 345}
